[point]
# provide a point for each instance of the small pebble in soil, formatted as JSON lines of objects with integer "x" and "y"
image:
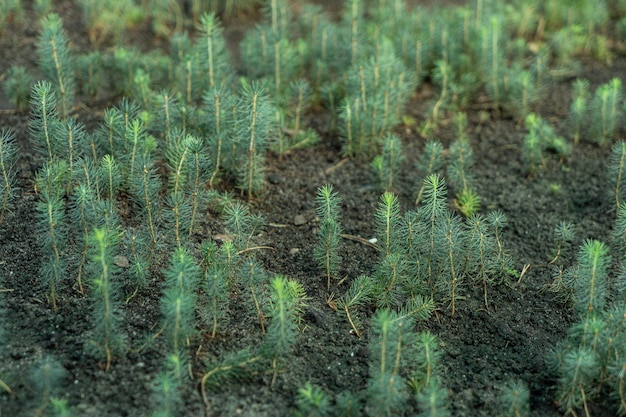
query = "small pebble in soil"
{"x": 274, "y": 179}
{"x": 299, "y": 220}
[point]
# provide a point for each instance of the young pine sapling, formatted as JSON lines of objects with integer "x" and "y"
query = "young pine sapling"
{"x": 51, "y": 225}
{"x": 287, "y": 299}
{"x": 326, "y": 251}
{"x": 109, "y": 337}
{"x": 8, "y": 159}
{"x": 56, "y": 61}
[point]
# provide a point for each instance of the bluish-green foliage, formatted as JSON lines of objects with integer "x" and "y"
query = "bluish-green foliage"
{"x": 390, "y": 348}
{"x": 579, "y": 108}
{"x": 286, "y": 304}
{"x": 56, "y": 61}
{"x": 606, "y": 110}
{"x": 515, "y": 399}
{"x": 44, "y": 119}
{"x": 211, "y": 66}
{"x": 387, "y": 164}
{"x": 541, "y": 137}
{"x": 254, "y": 118}
{"x": 8, "y": 159}
{"x": 51, "y": 226}
{"x": 179, "y": 299}
{"x": 326, "y": 252}
{"x": 109, "y": 339}
{"x": 17, "y": 86}
{"x": 589, "y": 362}
{"x": 216, "y": 286}
{"x": 377, "y": 91}
{"x": 617, "y": 172}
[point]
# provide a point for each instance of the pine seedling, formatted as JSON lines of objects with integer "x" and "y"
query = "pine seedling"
{"x": 313, "y": 402}
{"x": 388, "y": 163}
{"x": 497, "y": 219}
{"x": 579, "y": 107}
{"x": 144, "y": 188}
{"x": 459, "y": 172}
{"x": 481, "y": 250}
{"x": 44, "y": 118}
{"x": 109, "y": 172}
{"x": 212, "y": 56}
{"x": 433, "y": 400}
{"x": 287, "y": 299}
{"x": 177, "y": 216}
{"x": 183, "y": 162}
{"x": 619, "y": 229}
{"x": 427, "y": 359}
{"x": 17, "y": 87}
{"x": 139, "y": 267}
{"x": 292, "y": 133}
{"x": 167, "y": 112}
{"x": 270, "y": 56}
{"x": 179, "y": 299}
{"x": 429, "y": 162}
{"x": 109, "y": 338}
{"x": 514, "y": 399}
{"x": 254, "y": 115}
{"x": 90, "y": 73}
{"x": 56, "y": 61}
{"x": 216, "y": 287}
{"x": 218, "y": 103}
{"x": 165, "y": 392}
{"x": 619, "y": 391}
{"x": 617, "y": 172}
{"x": 326, "y": 252}
{"x": 432, "y": 211}
{"x": 493, "y": 61}
{"x": 46, "y": 378}
{"x": 442, "y": 75}
{"x": 242, "y": 224}
{"x": 388, "y": 224}
{"x": 83, "y": 216}
{"x": 563, "y": 235}
{"x": 60, "y": 407}
{"x": 606, "y": 111}
{"x": 578, "y": 370}
{"x": 523, "y": 91}
{"x": 71, "y": 142}
{"x": 51, "y": 225}
{"x": 199, "y": 173}
{"x": 231, "y": 366}
{"x": 254, "y": 278}
{"x": 8, "y": 159}
{"x": 389, "y": 279}
{"x": 359, "y": 293}
{"x": 389, "y": 346}
{"x": 450, "y": 238}
{"x": 533, "y": 148}
{"x": 590, "y": 291}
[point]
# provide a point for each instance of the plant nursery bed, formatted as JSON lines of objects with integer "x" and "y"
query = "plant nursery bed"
{"x": 466, "y": 310}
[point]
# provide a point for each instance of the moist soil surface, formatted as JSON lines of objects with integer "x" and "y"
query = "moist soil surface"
{"x": 483, "y": 348}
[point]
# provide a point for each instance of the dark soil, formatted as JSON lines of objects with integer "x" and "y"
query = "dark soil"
{"x": 482, "y": 348}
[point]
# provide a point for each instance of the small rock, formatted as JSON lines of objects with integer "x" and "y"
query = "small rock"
{"x": 219, "y": 238}
{"x": 299, "y": 220}
{"x": 293, "y": 251}
{"x": 274, "y": 179}
{"x": 121, "y": 261}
